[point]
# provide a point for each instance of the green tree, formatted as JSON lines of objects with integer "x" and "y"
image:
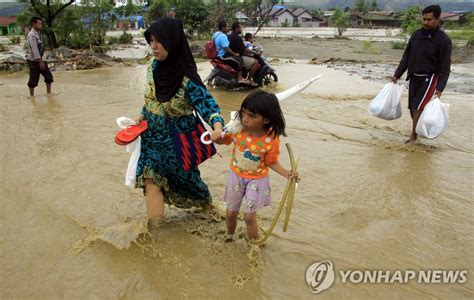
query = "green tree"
{"x": 469, "y": 21}
{"x": 192, "y": 13}
{"x": 220, "y": 10}
{"x": 257, "y": 10}
{"x": 48, "y": 11}
{"x": 318, "y": 13}
{"x": 68, "y": 24}
{"x": 97, "y": 14}
{"x": 374, "y": 5}
{"x": 131, "y": 9}
{"x": 340, "y": 20}
{"x": 157, "y": 9}
{"x": 360, "y": 6}
{"x": 411, "y": 20}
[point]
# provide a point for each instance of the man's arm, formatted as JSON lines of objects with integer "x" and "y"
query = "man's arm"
{"x": 250, "y": 52}
{"x": 444, "y": 66}
{"x": 224, "y": 42}
{"x": 228, "y": 50}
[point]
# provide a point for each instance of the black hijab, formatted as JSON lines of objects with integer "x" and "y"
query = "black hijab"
{"x": 168, "y": 74}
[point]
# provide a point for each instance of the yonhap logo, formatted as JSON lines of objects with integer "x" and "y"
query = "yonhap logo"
{"x": 320, "y": 276}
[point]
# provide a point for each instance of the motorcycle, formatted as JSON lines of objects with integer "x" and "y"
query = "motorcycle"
{"x": 224, "y": 76}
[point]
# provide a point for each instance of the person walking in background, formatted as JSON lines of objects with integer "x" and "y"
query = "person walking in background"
{"x": 35, "y": 58}
{"x": 427, "y": 57}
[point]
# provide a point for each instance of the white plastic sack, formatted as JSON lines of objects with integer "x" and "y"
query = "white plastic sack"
{"x": 433, "y": 120}
{"x": 386, "y": 105}
{"x": 133, "y": 148}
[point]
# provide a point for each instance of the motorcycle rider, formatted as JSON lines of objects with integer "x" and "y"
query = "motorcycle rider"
{"x": 236, "y": 44}
{"x": 226, "y": 54}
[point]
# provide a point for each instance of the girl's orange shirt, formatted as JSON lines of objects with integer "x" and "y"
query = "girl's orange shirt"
{"x": 251, "y": 156}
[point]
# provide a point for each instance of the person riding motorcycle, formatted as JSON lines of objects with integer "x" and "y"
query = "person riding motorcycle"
{"x": 226, "y": 54}
{"x": 236, "y": 44}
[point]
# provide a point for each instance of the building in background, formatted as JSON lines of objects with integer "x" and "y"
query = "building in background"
{"x": 383, "y": 18}
{"x": 9, "y": 11}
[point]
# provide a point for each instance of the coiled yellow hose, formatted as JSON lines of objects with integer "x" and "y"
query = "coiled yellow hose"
{"x": 286, "y": 200}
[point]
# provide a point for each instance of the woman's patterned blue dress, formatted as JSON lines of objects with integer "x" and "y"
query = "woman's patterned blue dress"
{"x": 158, "y": 160}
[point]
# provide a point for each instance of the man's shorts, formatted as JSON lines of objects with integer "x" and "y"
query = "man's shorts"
{"x": 254, "y": 193}
{"x": 248, "y": 61}
{"x": 420, "y": 90}
{"x": 35, "y": 72}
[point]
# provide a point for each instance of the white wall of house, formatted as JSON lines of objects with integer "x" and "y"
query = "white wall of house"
{"x": 304, "y": 17}
{"x": 241, "y": 17}
{"x": 280, "y": 19}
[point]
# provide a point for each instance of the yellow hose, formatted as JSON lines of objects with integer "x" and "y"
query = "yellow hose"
{"x": 287, "y": 199}
{"x": 291, "y": 194}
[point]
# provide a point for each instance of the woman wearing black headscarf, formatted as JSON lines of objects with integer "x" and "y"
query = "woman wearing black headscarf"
{"x": 173, "y": 90}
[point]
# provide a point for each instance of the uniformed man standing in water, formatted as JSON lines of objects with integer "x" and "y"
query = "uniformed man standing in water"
{"x": 35, "y": 58}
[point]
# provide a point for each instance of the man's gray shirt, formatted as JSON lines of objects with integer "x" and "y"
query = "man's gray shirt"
{"x": 35, "y": 45}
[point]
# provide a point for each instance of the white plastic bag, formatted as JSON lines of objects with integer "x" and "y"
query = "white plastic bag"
{"x": 133, "y": 148}
{"x": 433, "y": 120}
{"x": 386, "y": 105}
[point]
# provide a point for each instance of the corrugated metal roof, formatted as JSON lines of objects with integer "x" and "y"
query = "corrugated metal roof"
{"x": 12, "y": 9}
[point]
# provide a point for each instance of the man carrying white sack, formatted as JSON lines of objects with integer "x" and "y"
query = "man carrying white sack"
{"x": 428, "y": 60}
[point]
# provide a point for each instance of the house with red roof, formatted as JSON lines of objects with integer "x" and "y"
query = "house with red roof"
{"x": 8, "y": 17}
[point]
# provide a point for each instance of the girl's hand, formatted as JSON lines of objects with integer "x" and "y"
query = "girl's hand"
{"x": 294, "y": 175}
{"x": 216, "y": 134}
{"x": 291, "y": 174}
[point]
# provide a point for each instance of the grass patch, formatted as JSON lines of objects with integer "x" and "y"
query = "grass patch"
{"x": 399, "y": 45}
{"x": 126, "y": 38}
{"x": 14, "y": 39}
{"x": 112, "y": 40}
{"x": 370, "y": 47}
{"x": 462, "y": 35}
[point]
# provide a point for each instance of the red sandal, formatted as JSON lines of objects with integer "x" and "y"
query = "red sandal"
{"x": 131, "y": 133}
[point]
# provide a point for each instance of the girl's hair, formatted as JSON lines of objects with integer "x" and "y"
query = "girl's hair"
{"x": 266, "y": 105}
{"x": 248, "y": 36}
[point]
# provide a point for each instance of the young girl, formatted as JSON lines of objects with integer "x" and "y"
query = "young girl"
{"x": 249, "y": 41}
{"x": 256, "y": 150}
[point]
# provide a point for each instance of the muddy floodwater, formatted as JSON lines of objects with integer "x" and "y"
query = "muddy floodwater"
{"x": 71, "y": 229}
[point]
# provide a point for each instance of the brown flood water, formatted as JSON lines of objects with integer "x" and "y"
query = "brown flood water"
{"x": 70, "y": 228}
